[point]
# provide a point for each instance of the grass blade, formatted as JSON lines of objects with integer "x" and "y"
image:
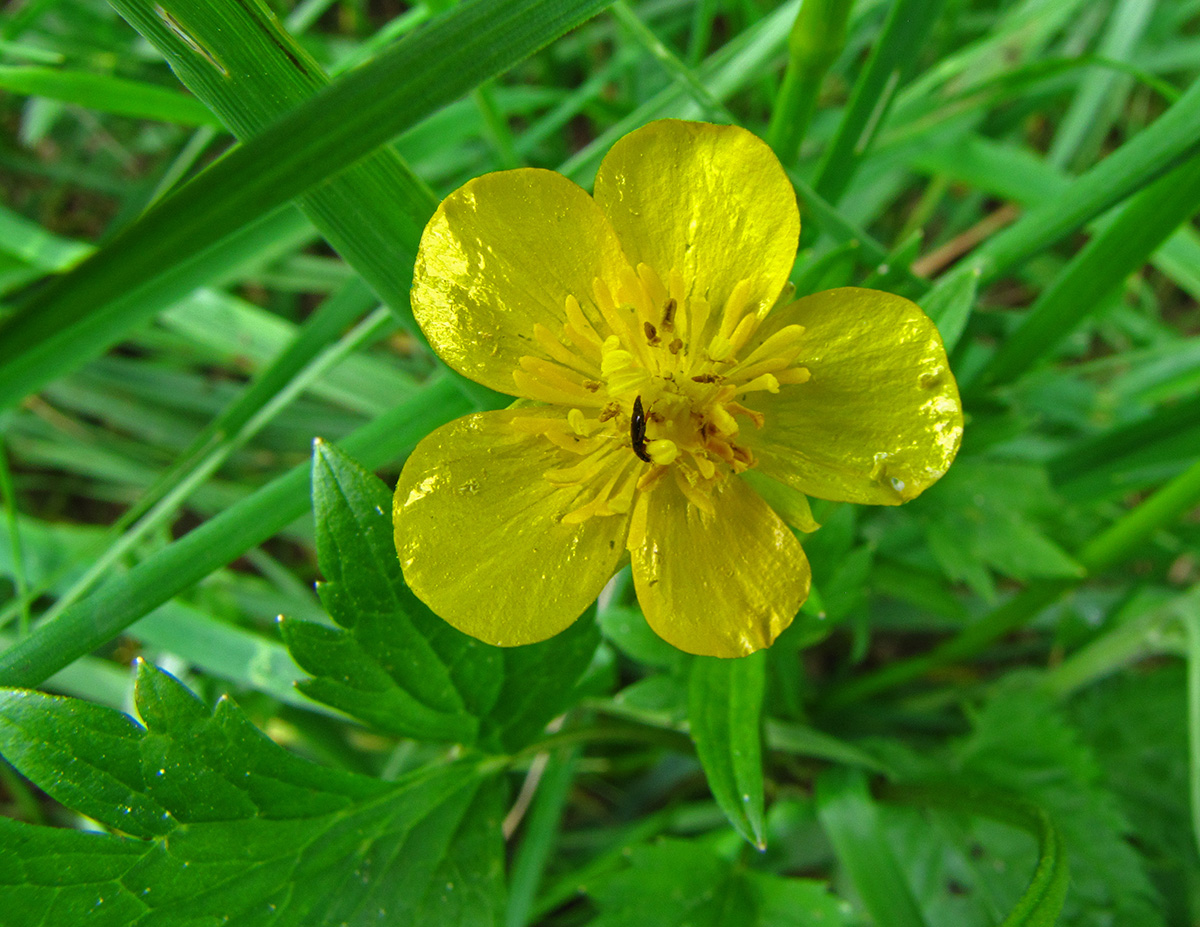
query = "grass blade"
{"x": 341, "y": 124}
{"x": 91, "y": 622}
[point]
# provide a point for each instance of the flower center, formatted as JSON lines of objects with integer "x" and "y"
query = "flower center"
{"x": 663, "y": 387}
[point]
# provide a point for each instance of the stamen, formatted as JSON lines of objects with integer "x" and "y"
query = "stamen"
{"x": 579, "y": 423}
{"x": 794, "y": 375}
{"x": 734, "y": 308}
{"x": 584, "y": 471}
{"x": 562, "y": 354}
{"x": 668, "y": 317}
{"x": 662, "y": 451}
{"x": 720, "y": 348}
{"x": 557, "y": 378}
{"x": 652, "y": 284}
{"x": 766, "y": 381}
{"x": 621, "y": 369}
{"x": 784, "y": 343}
{"x": 580, "y": 330}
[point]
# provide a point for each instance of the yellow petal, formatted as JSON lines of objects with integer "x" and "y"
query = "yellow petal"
{"x": 721, "y": 585}
{"x": 479, "y": 532}
{"x": 501, "y": 254}
{"x": 709, "y": 202}
{"x": 879, "y": 419}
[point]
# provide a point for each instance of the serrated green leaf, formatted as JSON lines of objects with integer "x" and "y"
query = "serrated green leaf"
{"x": 397, "y": 665}
{"x": 688, "y": 885}
{"x": 244, "y": 833}
{"x": 725, "y": 701}
{"x": 991, "y": 514}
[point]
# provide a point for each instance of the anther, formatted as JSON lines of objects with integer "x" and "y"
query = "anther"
{"x": 651, "y": 333}
{"x": 668, "y": 319}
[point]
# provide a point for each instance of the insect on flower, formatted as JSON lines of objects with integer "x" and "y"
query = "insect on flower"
{"x": 676, "y": 405}
{"x": 637, "y": 431}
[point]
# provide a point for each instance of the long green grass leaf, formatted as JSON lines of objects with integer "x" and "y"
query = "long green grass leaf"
{"x": 332, "y": 130}
{"x": 115, "y": 606}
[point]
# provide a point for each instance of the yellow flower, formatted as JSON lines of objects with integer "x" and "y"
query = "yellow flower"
{"x": 664, "y": 374}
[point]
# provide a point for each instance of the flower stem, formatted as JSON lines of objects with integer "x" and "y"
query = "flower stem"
{"x": 1121, "y": 540}
{"x": 816, "y": 40}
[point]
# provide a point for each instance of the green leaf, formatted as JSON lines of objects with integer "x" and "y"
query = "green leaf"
{"x": 1121, "y": 248}
{"x": 685, "y": 883}
{"x": 991, "y": 514}
{"x": 394, "y": 663}
{"x": 951, "y": 306}
{"x": 312, "y": 142}
{"x": 1021, "y": 745}
{"x": 233, "y": 829}
{"x": 851, "y": 820}
{"x": 892, "y": 58}
{"x": 108, "y": 94}
{"x": 725, "y": 700}
{"x": 123, "y": 600}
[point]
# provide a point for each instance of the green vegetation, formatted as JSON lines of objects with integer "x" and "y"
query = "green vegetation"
{"x": 988, "y": 712}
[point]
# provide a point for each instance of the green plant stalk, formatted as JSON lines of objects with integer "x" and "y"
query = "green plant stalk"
{"x": 1130, "y": 640}
{"x": 1101, "y": 94}
{"x": 904, "y": 33}
{"x": 850, "y": 819}
{"x": 1164, "y": 422}
{"x": 704, "y": 13}
{"x": 1119, "y": 541}
{"x": 1127, "y": 243}
{"x": 111, "y": 609}
{"x": 816, "y": 40}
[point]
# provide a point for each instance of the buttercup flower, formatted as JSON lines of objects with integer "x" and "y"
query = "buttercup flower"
{"x": 668, "y": 385}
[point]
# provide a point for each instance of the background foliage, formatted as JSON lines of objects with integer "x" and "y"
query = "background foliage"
{"x": 988, "y": 710}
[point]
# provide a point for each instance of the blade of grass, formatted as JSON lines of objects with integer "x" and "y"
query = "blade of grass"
{"x": 1127, "y": 243}
{"x": 1101, "y": 93}
{"x": 1124, "y": 538}
{"x": 335, "y": 128}
{"x": 9, "y": 497}
{"x": 108, "y": 94}
{"x": 851, "y": 821}
{"x": 1171, "y": 139}
{"x": 1191, "y": 622}
{"x": 906, "y": 29}
{"x": 260, "y": 242}
{"x": 115, "y": 606}
{"x": 267, "y": 395}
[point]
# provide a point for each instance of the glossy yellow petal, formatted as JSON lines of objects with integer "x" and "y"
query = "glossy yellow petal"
{"x": 720, "y": 585}
{"x": 879, "y": 419}
{"x": 480, "y": 535}
{"x": 709, "y": 203}
{"x": 502, "y": 254}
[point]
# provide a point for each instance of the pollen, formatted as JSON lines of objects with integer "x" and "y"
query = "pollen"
{"x": 658, "y": 382}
